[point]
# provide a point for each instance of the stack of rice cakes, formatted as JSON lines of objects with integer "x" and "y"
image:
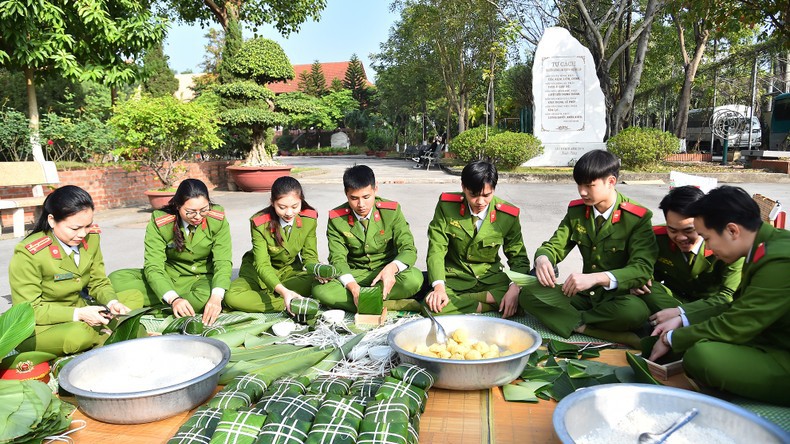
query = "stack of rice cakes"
{"x": 328, "y": 410}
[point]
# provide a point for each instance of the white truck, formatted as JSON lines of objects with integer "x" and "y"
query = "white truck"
{"x": 699, "y": 135}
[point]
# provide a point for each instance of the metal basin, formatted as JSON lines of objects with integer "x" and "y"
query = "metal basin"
{"x": 468, "y": 375}
{"x": 149, "y": 405}
{"x": 589, "y": 409}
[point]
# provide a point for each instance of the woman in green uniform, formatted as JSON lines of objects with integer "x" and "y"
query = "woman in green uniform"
{"x": 187, "y": 261}
{"x": 57, "y": 268}
{"x": 283, "y": 240}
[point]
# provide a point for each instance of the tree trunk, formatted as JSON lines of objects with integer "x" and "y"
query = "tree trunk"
{"x": 32, "y": 109}
{"x": 258, "y": 155}
{"x": 690, "y": 67}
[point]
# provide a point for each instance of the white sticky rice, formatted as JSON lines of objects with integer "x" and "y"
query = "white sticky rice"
{"x": 151, "y": 372}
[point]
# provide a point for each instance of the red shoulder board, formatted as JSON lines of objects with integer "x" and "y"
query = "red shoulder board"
{"x": 576, "y": 203}
{"x": 219, "y": 215}
{"x": 262, "y": 219}
{"x": 660, "y": 230}
{"x": 509, "y": 209}
{"x": 312, "y": 214}
{"x": 94, "y": 229}
{"x": 390, "y": 205}
{"x": 633, "y": 209}
{"x": 164, "y": 220}
{"x": 759, "y": 253}
{"x": 38, "y": 244}
{"x": 338, "y": 212}
{"x": 451, "y": 197}
{"x": 708, "y": 253}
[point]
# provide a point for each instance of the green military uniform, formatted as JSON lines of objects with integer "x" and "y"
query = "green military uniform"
{"x": 625, "y": 246}
{"x": 205, "y": 262}
{"x": 695, "y": 285}
{"x": 363, "y": 253}
{"x": 46, "y": 276}
{"x": 745, "y": 348}
{"x": 269, "y": 264}
{"x": 467, "y": 259}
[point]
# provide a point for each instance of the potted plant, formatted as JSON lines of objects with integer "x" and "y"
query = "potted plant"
{"x": 160, "y": 132}
{"x": 248, "y": 103}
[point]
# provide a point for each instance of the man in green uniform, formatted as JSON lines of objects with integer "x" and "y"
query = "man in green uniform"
{"x": 615, "y": 238}
{"x": 370, "y": 243}
{"x": 464, "y": 238}
{"x": 201, "y": 270}
{"x": 687, "y": 279}
{"x": 745, "y": 347}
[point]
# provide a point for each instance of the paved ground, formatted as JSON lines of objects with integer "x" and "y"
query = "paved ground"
{"x": 542, "y": 204}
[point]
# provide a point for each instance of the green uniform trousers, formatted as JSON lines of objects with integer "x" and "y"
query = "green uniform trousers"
{"x": 247, "y": 293}
{"x": 196, "y": 289}
{"x": 661, "y": 297}
{"x": 471, "y": 299}
{"x": 333, "y": 294}
{"x": 562, "y": 314}
{"x": 748, "y": 371}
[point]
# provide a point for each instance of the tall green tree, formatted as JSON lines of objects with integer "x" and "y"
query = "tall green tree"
{"x": 86, "y": 40}
{"x": 355, "y": 79}
{"x": 158, "y": 78}
{"x": 313, "y": 82}
{"x": 285, "y": 15}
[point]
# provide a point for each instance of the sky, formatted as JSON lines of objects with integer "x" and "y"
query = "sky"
{"x": 345, "y": 27}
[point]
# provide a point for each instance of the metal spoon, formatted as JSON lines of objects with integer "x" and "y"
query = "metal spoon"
{"x": 658, "y": 438}
{"x": 441, "y": 335}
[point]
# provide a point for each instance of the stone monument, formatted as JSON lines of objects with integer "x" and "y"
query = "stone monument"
{"x": 339, "y": 140}
{"x": 570, "y": 112}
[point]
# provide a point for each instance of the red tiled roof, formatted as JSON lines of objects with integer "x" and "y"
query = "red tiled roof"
{"x": 332, "y": 70}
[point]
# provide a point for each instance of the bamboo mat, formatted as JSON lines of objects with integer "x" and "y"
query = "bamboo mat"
{"x": 451, "y": 417}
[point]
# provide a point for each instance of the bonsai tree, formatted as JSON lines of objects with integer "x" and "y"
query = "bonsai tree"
{"x": 162, "y": 131}
{"x": 247, "y": 102}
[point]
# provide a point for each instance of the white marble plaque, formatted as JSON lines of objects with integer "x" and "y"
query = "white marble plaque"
{"x": 339, "y": 140}
{"x": 563, "y": 93}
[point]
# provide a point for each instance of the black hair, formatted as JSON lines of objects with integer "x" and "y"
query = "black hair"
{"x": 358, "y": 177}
{"x": 594, "y": 165}
{"x": 283, "y": 186}
{"x": 724, "y": 205}
{"x": 187, "y": 189}
{"x": 477, "y": 174}
{"x": 62, "y": 203}
{"x": 678, "y": 199}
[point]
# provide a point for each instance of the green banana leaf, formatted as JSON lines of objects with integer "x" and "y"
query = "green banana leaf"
{"x": 251, "y": 342}
{"x": 35, "y": 357}
{"x": 239, "y": 354}
{"x": 127, "y": 327}
{"x": 175, "y": 325}
{"x": 371, "y": 300}
{"x": 641, "y": 370}
{"x": 16, "y": 325}
{"x": 324, "y": 271}
{"x": 304, "y": 309}
{"x": 291, "y": 367}
{"x": 237, "y": 336}
{"x": 333, "y": 358}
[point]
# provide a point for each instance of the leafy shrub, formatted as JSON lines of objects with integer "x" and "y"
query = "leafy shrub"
{"x": 76, "y": 139}
{"x": 285, "y": 141}
{"x": 470, "y": 144}
{"x": 14, "y": 136}
{"x": 639, "y": 148}
{"x": 379, "y": 139}
{"x": 508, "y": 150}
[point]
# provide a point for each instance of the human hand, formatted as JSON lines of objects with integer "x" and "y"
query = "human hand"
{"x": 93, "y": 315}
{"x": 288, "y": 296}
{"x": 509, "y": 303}
{"x": 664, "y": 315}
{"x": 212, "y": 309}
{"x": 353, "y": 287}
{"x": 437, "y": 299}
{"x": 660, "y": 348}
{"x": 117, "y": 308}
{"x": 670, "y": 324}
{"x": 643, "y": 290}
{"x": 544, "y": 271}
{"x": 577, "y": 282}
{"x": 182, "y": 307}
{"x": 387, "y": 278}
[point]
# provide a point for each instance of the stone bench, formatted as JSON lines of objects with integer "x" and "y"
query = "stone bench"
{"x": 24, "y": 174}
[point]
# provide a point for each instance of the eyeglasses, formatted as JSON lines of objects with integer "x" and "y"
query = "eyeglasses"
{"x": 191, "y": 213}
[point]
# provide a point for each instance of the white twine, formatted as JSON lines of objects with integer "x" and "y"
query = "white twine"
{"x": 64, "y": 437}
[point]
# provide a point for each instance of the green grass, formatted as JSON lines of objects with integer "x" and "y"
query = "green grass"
{"x": 298, "y": 170}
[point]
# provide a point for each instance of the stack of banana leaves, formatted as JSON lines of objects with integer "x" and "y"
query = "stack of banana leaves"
{"x": 291, "y": 398}
{"x": 29, "y": 411}
{"x": 563, "y": 368}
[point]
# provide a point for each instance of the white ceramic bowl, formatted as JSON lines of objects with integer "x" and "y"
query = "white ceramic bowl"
{"x": 586, "y": 410}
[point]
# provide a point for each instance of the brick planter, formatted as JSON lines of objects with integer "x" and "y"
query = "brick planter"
{"x": 115, "y": 187}
{"x": 690, "y": 157}
{"x": 777, "y": 166}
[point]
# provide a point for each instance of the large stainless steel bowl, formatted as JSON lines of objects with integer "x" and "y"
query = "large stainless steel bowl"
{"x": 589, "y": 409}
{"x": 468, "y": 375}
{"x": 149, "y": 405}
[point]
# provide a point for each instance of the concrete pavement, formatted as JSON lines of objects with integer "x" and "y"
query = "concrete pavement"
{"x": 543, "y": 206}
